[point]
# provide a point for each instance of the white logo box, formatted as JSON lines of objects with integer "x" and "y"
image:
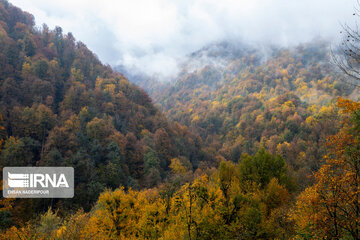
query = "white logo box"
{"x": 38, "y": 182}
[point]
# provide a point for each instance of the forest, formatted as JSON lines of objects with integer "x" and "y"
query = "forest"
{"x": 253, "y": 148}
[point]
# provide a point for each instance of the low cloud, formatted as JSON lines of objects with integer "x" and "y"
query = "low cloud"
{"x": 153, "y": 35}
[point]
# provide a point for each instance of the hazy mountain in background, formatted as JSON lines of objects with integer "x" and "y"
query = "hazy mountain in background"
{"x": 239, "y": 98}
{"x": 217, "y": 55}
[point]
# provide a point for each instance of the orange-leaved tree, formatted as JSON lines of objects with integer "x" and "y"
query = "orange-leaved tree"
{"x": 330, "y": 209}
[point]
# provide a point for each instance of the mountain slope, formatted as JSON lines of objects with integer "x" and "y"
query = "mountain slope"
{"x": 63, "y": 107}
{"x": 280, "y": 102}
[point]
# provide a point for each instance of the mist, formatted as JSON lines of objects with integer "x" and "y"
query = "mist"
{"x": 153, "y": 35}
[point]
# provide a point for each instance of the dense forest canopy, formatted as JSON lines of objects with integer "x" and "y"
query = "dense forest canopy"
{"x": 242, "y": 145}
{"x": 62, "y": 107}
{"x": 283, "y": 103}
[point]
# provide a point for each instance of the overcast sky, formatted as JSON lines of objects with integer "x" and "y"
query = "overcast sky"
{"x": 152, "y": 34}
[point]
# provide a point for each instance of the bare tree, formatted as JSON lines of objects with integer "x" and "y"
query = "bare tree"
{"x": 347, "y": 55}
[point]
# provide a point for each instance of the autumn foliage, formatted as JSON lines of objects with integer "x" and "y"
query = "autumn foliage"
{"x": 331, "y": 207}
{"x": 218, "y": 204}
{"x": 63, "y": 107}
{"x": 252, "y": 148}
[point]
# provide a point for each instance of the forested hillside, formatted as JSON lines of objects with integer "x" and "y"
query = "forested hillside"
{"x": 62, "y": 107}
{"x": 246, "y": 142}
{"x": 239, "y": 99}
{"x": 254, "y": 199}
